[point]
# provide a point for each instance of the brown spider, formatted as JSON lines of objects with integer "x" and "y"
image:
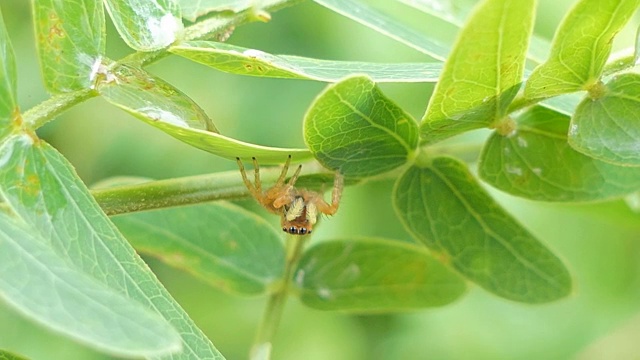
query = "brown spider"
{"x": 298, "y": 208}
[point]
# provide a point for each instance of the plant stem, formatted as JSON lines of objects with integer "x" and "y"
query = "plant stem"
{"x": 261, "y": 349}
{"x": 52, "y": 107}
{"x": 227, "y": 185}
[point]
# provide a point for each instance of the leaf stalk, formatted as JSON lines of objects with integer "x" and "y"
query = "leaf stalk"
{"x": 261, "y": 349}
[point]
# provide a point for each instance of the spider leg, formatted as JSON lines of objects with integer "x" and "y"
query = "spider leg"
{"x": 336, "y": 194}
{"x": 294, "y": 178}
{"x": 256, "y": 175}
{"x": 287, "y": 196}
{"x": 283, "y": 174}
{"x": 252, "y": 189}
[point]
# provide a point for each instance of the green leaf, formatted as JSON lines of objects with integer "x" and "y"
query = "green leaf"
{"x": 581, "y": 47}
{"x": 5, "y": 355}
{"x": 44, "y": 191}
{"x": 71, "y": 42}
{"x": 443, "y": 206}
{"x": 452, "y": 11}
{"x": 608, "y": 127}
{"x": 365, "y": 15}
{"x": 221, "y": 243}
{"x": 374, "y": 275}
{"x": 536, "y": 162}
{"x": 353, "y": 127}
{"x": 47, "y": 289}
{"x": 191, "y": 9}
{"x": 166, "y": 108}
{"x": 8, "y": 83}
{"x": 455, "y": 12}
{"x": 243, "y": 61}
{"x": 483, "y": 74}
{"x": 148, "y": 97}
{"x": 146, "y": 25}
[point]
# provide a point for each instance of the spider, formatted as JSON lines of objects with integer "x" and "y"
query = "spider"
{"x": 298, "y": 208}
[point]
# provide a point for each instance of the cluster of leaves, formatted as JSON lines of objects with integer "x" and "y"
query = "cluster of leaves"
{"x": 57, "y": 243}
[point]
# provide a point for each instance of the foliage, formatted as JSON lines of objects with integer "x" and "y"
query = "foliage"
{"x": 66, "y": 265}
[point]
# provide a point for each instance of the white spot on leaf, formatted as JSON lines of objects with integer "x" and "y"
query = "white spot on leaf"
{"x": 164, "y": 30}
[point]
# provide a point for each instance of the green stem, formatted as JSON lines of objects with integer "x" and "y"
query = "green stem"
{"x": 261, "y": 349}
{"x": 177, "y": 191}
{"x": 52, "y": 107}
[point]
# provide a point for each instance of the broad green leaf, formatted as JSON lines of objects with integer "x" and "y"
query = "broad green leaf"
{"x": 146, "y": 25}
{"x": 44, "y": 191}
{"x": 221, "y": 243}
{"x": 47, "y": 289}
{"x": 374, "y": 275}
{"x": 5, "y": 355}
{"x": 365, "y": 15}
{"x": 608, "y": 127}
{"x": 148, "y": 97}
{"x": 443, "y": 206}
{"x": 191, "y": 9}
{"x": 452, "y": 11}
{"x": 71, "y": 42}
{"x": 353, "y": 127}
{"x": 455, "y": 12}
{"x": 166, "y": 108}
{"x": 536, "y": 162}
{"x": 581, "y": 47}
{"x": 484, "y": 71}
{"x": 239, "y": 60}
{"x": 8, "y": 83}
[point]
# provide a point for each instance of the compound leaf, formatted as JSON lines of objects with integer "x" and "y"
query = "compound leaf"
{"x": 221, "y": 243}
{"x": 484, "y": 71}
{"x": 353, "y": 127}
{"x": 580, "y": 47}
{"x": 443, "y": 206}
{"x": 239, "y": 60}
{"x": 608, "y": 127}
{"x": 536, "y": 162}
{"x": 42, "y": 189}
{"x": 41, "y": 285}
{"x": 146, "y": 25}
{"x": 374, "y": 275}
{"x": 71, "y": 41}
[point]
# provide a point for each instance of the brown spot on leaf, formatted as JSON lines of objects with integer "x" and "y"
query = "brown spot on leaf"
{"x": 55, "y": 28}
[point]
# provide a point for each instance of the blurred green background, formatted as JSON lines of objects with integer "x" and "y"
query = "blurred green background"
{"x": 600, "y": 243}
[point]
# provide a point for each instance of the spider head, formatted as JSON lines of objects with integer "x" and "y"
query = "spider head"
{"x": 299, "y": 217}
